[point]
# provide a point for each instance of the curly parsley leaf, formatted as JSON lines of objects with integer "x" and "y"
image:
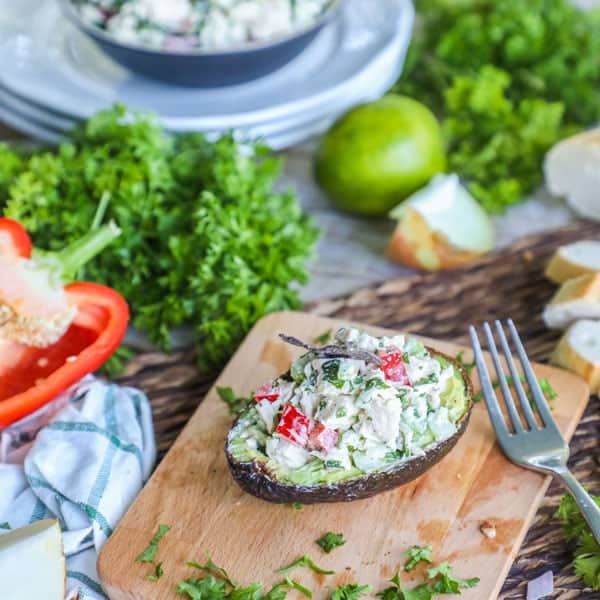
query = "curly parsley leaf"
{"x": 210, "y": 588}
{"x": 294, "y": 585}
{"x": 415, "y": 555}
{"x": 399, "y": 592}
{"x": 305, "y": 561}
{"x": 323, "y": 338}
{"x": 352, "y": 591}
{"x": 203, "y": 589}
{"x": 211, "y": 567}
{"x": 208, "y": 242}
{"x": 508, "y": 80}
{"x": 149, "y": 554}
{"x": 467, "y": 366}
{"x": 331, "y": 540}
{"x": 446, "y": 583}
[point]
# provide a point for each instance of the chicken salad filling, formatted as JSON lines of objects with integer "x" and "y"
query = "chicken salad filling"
{"x": 332, "y": 418}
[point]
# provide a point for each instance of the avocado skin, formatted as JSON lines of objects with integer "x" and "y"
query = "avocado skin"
{"x": 255, "y": 479}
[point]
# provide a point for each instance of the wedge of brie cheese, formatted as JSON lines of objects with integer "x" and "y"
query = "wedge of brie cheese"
{"x": 32, "y": 563}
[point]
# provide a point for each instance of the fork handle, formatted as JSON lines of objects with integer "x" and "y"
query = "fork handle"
{"x": 589, "y": 509}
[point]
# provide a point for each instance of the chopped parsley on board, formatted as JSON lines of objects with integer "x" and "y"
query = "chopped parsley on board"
{"x": 149, "y": 553}
{"x": 331, "y": 540}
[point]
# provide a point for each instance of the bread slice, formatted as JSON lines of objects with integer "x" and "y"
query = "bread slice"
{"x": 572, "y": 170}
{"x": 579, "y": 351}
{"x": 576, "y": 299}
{"x": 574, "y": 260}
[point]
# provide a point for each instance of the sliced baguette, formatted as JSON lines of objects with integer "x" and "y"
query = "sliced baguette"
{"x": 574, "y": 260}
{"x": 579, "y": 351}
{"x": 572, "y": 170}
{"x": 576, "y": 299}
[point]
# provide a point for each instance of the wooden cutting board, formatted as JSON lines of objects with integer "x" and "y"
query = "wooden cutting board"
{"x": 193, "y": 492}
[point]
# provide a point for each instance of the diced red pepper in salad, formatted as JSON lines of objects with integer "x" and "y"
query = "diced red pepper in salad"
{"x": 394, "y": 368}
{"x": 293, "y": 425}
{"x": 321, "y": 438}
{"x": 267, "y": 392}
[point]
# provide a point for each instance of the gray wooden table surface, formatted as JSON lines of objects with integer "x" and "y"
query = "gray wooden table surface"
{"x": 351, "y": 251}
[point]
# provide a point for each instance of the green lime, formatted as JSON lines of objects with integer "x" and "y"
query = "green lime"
{"x": 378, "y": 154}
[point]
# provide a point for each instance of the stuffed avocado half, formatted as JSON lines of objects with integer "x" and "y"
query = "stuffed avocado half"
{"x": 349, "y": 420}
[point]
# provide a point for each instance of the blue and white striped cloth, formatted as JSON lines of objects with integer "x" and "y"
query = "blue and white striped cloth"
{"x": 83, "y": 459}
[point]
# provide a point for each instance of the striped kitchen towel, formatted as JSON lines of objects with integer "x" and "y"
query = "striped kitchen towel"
{"x": 83, "y": 459}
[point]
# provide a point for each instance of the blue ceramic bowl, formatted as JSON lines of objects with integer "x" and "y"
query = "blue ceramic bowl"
{"x": 202, "y": 68}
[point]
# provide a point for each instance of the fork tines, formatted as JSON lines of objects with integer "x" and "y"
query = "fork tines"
{"x": 524, "y": 405}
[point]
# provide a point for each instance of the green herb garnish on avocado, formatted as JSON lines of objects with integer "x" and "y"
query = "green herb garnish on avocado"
{"x": 235, "y": 403}
{"x": 331, "y": 370}
{"x": 415, "y": 555}
{"x": 149, "y": 554}
{"x": 305, "y": 561}
{"x": 330, "y": 540}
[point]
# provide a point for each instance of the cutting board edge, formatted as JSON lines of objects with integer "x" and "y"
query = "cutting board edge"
{"x": 112, "y": 586}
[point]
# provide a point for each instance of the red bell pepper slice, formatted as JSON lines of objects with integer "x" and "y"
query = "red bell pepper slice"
{"x": 293, "y": 425}
{"x": 394, "y": 368}
{"x": 322, "y": 438}
{"x": 266, "y": 392}
{"x": 14, "y": 240}
{"x": 30, "y": 377}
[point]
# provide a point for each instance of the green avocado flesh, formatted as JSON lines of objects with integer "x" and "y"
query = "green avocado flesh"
{"x": 247, "y": 440}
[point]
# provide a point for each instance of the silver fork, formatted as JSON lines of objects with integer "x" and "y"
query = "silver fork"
{"x": 529, "y": 444}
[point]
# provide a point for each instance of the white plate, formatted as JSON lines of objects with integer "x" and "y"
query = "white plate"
{"x": 30, "y": 120}
{"x": 28, "y": 126}
{"x": 380, "y": 80}
{"x": 279, "y": 134}
{"x": 46, "y": 61}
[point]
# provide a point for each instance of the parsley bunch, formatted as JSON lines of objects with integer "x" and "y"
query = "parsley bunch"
{"x": 508, "y": 79}
{"x": 207, "y": 242}
{"x": 586, "y": 562}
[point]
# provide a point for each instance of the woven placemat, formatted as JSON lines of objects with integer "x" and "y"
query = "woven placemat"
{"x": 508, "y": 283}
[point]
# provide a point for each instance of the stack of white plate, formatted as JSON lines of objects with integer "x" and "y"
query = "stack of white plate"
{"x": 52, "y": 77}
